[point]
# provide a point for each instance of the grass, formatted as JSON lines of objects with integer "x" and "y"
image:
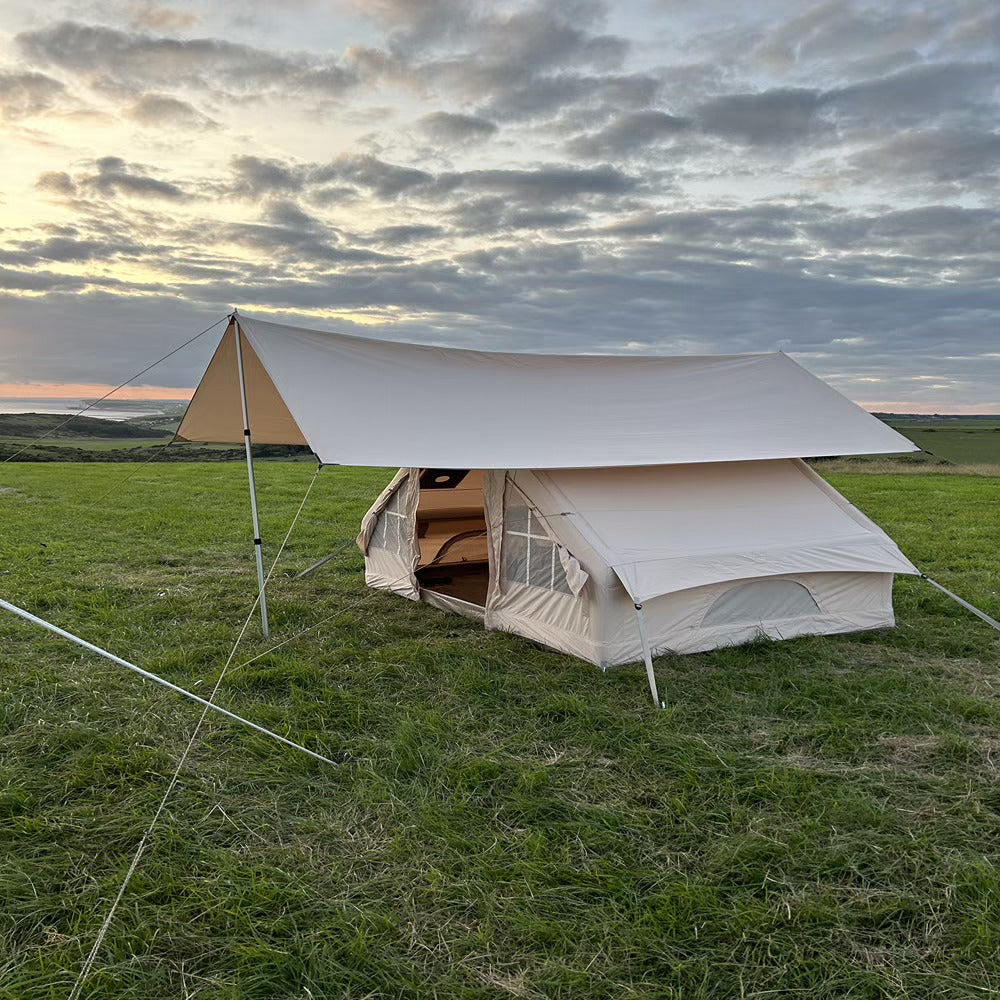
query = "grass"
{"x": 962, "y": 445}
{"x": 817, "y": 817}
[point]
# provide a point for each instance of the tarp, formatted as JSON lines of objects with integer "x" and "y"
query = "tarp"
{"x": 361, "y": 401}
{"x": 663, "y": 530}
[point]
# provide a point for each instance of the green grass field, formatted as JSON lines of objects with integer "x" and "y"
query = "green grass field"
{"x": 817, "y": 818}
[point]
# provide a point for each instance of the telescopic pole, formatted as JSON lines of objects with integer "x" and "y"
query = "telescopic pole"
{"x": 257, "y": 543}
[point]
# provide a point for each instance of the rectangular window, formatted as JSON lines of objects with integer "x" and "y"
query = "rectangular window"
{"x": 531, "y": 557}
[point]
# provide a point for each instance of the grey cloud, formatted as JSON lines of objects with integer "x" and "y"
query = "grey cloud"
{"x": 407, "y": 233}
{"x": 56, "y": 182}
{"x": 784, "y": 116}
{"x": 628, "y": 133}
{"x": 771, "y": 117}
{"x": 841, "y": 30}
{"x": 544, "y": 184}
{"x": 544, "y": 95}
{"x": 385, "y": 180}
{"x": 114, "y": 176}
{"x": 496, "y": 215}
{"x": 161, "y": 110}
{"x": 287, "y": 213}
{"x": 27, "y": 93}
{"x": 944, "y": 155}
{"x": 918, "y": 93}
{"x": 255, "y": 176}
{"x": 135, "y": 61}
{"x": 64, "y": 248}
{"x": 447, "y": 127}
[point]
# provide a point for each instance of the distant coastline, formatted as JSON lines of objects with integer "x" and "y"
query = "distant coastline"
{"x": 108, "y": 409}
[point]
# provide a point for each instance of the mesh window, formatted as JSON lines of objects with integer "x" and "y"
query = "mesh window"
{"x": 531, "y": 557}
{"x": 391, "y": 530}
{"x": 761, "y": 601}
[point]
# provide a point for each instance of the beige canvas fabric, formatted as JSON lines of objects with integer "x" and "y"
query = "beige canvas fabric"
{"x": 215, "y": 414}
{"x": 360, "y": 401}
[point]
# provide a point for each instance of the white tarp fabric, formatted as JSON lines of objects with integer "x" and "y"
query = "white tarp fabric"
{"x": 359, "y": 401}
{"x": 664, "y": 530}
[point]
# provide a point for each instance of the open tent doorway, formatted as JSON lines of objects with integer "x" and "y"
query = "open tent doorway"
{"x": 452, "y": 535}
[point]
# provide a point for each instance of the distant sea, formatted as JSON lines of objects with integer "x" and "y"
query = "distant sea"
{"x": 115, "y": 411}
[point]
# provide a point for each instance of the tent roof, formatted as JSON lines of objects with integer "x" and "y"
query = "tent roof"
{"x": 360, "y": 401}
{"x": 670, "y": 528}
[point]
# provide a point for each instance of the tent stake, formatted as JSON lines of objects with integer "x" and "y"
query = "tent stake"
{"x": 647, "y": 655}
{"x": 35, "y": 620}
{"x": 257, "y": 542}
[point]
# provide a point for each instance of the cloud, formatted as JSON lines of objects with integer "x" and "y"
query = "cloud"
{"x": 770, "y": 117}
{"x": 384, "y": 180}
{"x": 627, "y": 134}
{"x": 544, "y": 184}
{"x": 56, "y": 182}
{"x": 136, "y": 61}
{"x": 545, "y": 95}
{"x": 24, "y": 93}
{"x": 918, "y": 93}
{"x": 446, "y": 127}
{"x": 116, "y": 177}
{"x": 407, "y": 234}
{"x": 943, "y": 155}
{"x": 255, "y": 176}
{"x": 163, "y": 111}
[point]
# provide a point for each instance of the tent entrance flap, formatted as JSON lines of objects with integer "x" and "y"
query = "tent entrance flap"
{"x": 452, "y": 535}
{"x": 214, "y": 413}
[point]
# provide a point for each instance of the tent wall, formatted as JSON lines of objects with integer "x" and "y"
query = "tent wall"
{"x": 388, "y": 537}
{"x": 847, "y": 602}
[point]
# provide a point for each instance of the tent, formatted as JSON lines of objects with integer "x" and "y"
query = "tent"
{"x": 611, "y": 507}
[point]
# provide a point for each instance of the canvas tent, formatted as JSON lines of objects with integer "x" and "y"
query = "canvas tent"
{"x": 557, "y": 496}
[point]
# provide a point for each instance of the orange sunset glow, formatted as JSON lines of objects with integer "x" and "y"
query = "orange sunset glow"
{"x": 88, "y": 390}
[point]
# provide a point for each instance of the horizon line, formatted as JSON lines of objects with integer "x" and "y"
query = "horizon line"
{"x": 152, "y": 393}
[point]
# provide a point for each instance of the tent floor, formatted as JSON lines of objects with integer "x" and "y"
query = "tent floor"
{"x": 467, "y": 581}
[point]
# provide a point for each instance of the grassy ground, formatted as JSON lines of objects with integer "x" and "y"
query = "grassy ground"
{"x": 962, "y": 445}
{"x": 815, "y": 818}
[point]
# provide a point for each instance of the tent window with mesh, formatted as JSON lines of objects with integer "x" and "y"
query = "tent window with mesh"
{"x": 391, "y": 531}
{"x": 530, "y": 555}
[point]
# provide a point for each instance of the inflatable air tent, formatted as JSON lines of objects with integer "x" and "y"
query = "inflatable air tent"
{"x": 610, "y": 507}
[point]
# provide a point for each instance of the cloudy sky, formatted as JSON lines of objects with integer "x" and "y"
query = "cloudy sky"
{"x": 560, "y": 175}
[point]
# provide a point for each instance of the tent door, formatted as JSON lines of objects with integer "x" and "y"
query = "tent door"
{"x": 452, "y": 535}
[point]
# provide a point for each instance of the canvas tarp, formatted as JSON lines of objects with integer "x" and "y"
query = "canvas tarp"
{"x": 360, "y": 401}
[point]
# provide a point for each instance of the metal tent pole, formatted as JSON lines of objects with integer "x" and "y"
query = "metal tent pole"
{"x": 647, "y": 655}
{"x": 35, "y": 620}
{"x": 257, "y": 543}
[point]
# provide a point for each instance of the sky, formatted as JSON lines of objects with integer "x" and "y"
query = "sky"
{"x": 640, "y": 176}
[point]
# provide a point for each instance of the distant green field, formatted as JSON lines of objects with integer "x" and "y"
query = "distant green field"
{"x": 962, "y": 445}
{"x": 816, "y": 818}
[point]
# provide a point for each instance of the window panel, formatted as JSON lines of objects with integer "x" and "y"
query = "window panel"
{"x": 516, "y": 518}
{"x": 515, "y": 558}
{"x": 540, "y": 563}
{"x": 531, "y": 557}
{"x": 559, "y": 581}
{"x": 391, "y": 529}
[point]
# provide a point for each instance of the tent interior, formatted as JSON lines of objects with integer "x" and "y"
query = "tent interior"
{"x": 452, "y": 535}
